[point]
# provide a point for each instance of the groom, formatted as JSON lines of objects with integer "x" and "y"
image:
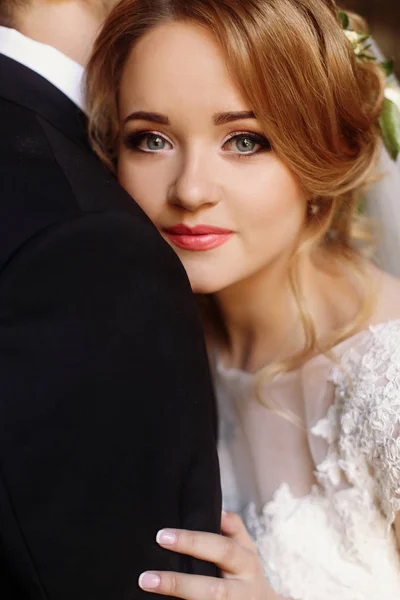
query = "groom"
{"x": 106, "y": 408}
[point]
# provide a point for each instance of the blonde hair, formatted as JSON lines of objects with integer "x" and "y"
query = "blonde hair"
{"x": 316, "y": 103}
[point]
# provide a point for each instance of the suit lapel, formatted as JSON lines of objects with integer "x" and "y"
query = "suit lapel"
{"x": 23, "y": 86}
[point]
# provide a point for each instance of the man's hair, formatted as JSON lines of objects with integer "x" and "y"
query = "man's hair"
{"x": 8, "y": 10}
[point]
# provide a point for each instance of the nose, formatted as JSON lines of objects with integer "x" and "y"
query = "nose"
{"x": 195, "y": 185}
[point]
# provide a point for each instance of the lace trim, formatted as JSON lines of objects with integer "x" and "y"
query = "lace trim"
{"x": 306, "y": 557}
{"x": 368, "y": 399}
{"x": 362, "y": 429}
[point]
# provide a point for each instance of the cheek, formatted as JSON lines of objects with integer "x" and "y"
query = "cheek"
{"x": 139, "y": 180}
{"x": 271, "y": 206}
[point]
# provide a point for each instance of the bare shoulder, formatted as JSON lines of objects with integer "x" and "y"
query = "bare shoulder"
{"x": 388, "y": 296}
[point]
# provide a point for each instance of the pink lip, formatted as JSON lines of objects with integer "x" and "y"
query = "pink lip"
{"x": 198, "y": 238}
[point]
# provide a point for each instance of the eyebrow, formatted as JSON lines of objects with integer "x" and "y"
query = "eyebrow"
{"x": 228, "y": 117}
{"x": 219, "y": 118}
{"x": 142, "y": 115}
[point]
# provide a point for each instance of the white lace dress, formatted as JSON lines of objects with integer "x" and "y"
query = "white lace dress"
{"x": 320, "y": 501}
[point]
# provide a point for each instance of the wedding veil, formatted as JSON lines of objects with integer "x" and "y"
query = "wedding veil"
{"x": 382, "y": 204}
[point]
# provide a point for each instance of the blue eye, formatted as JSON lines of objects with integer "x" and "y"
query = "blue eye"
{"x": 246, "y": 144}
{"x": 145, "y": 141}
{"x": 155, "y": 142}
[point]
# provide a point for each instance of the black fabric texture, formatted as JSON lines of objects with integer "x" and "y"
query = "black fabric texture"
{"x": 107, "y": 416}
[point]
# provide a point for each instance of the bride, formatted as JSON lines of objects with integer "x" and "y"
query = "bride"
{"x": 246, "y": 131}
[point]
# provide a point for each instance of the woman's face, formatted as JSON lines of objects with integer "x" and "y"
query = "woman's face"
{"x": 193, "y": 156}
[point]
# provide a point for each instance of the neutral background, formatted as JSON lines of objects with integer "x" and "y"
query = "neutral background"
{"x": 383, "y": 17}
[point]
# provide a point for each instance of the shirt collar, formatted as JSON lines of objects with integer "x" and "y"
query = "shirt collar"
{"x": 60, "y": 70}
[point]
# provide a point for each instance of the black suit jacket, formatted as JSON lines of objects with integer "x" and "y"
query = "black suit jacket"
{"x": 106, "y": 406}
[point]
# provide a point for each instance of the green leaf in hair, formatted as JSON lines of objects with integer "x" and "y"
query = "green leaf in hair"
{"x": 388, "y": 67}
{"x": 389, "y": 123}
{"x": 344, "y": 17}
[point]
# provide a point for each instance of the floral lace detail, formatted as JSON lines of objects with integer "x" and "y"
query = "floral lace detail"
{"x": 329, "y": 472}
{"x": 356, "y": 555}
{"x": 368, "y": 399}
{"x": 306, "y": 557}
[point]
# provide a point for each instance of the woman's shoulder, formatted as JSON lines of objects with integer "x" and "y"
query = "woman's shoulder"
{"x": 369, "y": 354}
{"x": 369, "y": 362}
{"x": 381, "y": 331}
{"x": 381, "y": 337}
{"x": 387, "y": 290}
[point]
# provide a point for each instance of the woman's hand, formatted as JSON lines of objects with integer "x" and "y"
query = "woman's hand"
{"x": 233, "y": 552}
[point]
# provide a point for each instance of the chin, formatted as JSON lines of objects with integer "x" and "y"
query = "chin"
{"x": 198, "y": 288}
{"x": 208, "y": 278}
{"x": 205, "y": 286}
{"x": 201, "y": 286}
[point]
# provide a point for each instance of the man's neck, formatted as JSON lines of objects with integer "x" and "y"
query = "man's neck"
{"x": 70, "y": 26}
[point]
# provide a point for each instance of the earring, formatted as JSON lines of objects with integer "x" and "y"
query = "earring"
{"x": 313, "y": 208}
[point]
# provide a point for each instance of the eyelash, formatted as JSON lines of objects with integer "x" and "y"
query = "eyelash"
{"x": 258, "y": 139}
{"x": 132, "y": 141}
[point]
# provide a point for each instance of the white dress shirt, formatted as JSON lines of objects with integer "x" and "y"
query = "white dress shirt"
{"x": 60, "y": 70}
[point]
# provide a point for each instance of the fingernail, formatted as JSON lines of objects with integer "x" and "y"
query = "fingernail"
{"x": 166, "y": 537}
{"x": 149, "y": 581}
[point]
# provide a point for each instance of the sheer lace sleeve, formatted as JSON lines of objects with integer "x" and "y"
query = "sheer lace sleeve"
{"x": 319, "y": 500}
{"x": 371, "y": 413}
